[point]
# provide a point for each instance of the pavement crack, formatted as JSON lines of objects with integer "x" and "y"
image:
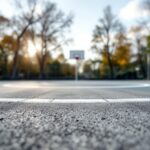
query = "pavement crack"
{"x": 52, "y": 100}
{"x": 106, "y": 100}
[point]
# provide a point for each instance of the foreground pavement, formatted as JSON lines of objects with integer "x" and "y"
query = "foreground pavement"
{"x": 68, "y": 115}
{"x": 75, "y": 90}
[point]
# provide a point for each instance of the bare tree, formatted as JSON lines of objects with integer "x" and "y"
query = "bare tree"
{"x": 4, "y": 23}
{"x": 26, "y": 17}
{"x": 107, "y": 26}
{"x": 53, "y": 25}
{"x": 145, "y": 21}
{"x": 139, "y": 39}
{"x": 146, "y": 5}
{"x": 7, "y": 47}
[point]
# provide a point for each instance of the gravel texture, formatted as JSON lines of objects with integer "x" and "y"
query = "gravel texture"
{"x": 100, "y": 126}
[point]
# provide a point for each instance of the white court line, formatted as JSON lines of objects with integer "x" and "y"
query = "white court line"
{"x": 79, "y": 101}
{"x": 37, "y": 100}
{"x": 25, "y": 100}
{"x": 76, "y": 86}
{"x": 11, "y": 100}
{"x": 73, "y": 101}
{"x": 128, "y": 100}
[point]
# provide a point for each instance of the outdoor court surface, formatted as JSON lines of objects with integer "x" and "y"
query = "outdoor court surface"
{"x": 71, "y": 115}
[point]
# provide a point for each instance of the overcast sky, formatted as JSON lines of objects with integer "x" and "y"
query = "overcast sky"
{"x": 87, "y": 13}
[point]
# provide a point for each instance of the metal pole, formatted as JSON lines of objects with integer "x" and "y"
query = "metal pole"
{"x": 76, "y": 70}
{"x": 148, "y": 66}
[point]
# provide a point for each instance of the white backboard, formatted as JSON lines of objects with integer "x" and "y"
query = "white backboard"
{"x": 74, "y": 54}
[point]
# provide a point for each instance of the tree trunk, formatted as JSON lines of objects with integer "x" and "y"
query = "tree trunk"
{"x": 15, "y": 60}
{"x": 41, "y": 71}
{"x": 5, "y": 65}
{"x": 140, "y": 61}
{"x": 42, "y": 67}
{"x": 111, "y": 68}
{"x": 141, "y": 65}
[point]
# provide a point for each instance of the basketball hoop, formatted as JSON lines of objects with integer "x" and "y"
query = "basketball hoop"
{"x": 77, "y": 54}
{"x": 77, "y": 57}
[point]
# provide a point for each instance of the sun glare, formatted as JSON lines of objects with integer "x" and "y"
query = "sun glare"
{"x": 31, "y": 49}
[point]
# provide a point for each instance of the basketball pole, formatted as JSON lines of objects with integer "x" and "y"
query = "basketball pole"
{"x": 76, "y": 55}
{"x": 76, "y": 69}
{"x": 148, "y": 66}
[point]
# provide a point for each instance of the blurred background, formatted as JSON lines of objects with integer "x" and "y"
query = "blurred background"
{"x": 36, "y": 37}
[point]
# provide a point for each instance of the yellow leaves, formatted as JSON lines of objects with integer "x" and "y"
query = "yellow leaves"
{"x": 122, "y": 55}
{"x": 122, "y": 62}
{"x": 104, "y": 57}
{"x": 8, "y": 42}
{"x": 148, "y": 42}
{"x": 61, "y": 58}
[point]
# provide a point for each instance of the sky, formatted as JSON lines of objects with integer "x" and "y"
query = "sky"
{"x": 86, "y": 16}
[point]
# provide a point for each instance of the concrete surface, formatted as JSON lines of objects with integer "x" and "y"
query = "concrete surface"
{"x": 118, "y": 118}
{"x": 75, "y": 90}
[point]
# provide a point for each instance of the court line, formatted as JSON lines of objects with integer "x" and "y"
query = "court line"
{"x": 73, "y": 101}
{"x": 128, "y": 100}
{"x": 26, "y": 100}
{"x": 76, "y": 86}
